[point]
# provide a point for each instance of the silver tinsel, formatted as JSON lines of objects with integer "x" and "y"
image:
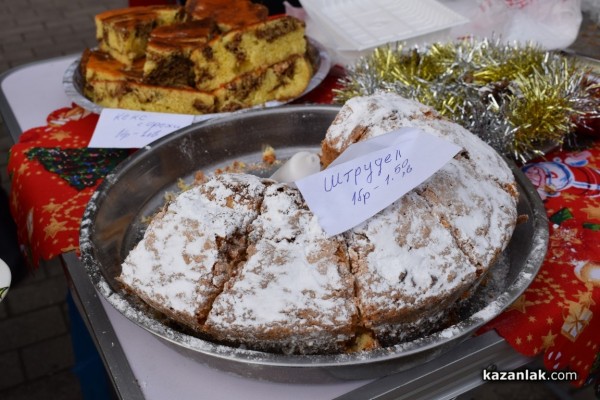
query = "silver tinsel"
{"x": 519, "y": 99}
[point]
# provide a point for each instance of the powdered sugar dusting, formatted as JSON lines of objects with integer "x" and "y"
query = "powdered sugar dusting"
{"x": 406, "y": 257}
{"x": 480, "y": 213}
{"x": 180, "y": 247}
{"x": 263, "y": 365}
{"x": 268, "y": 277}
{"x": 384, "y": 112}
{"x": 293, "y": 289}
{"x": 430, "y": 246}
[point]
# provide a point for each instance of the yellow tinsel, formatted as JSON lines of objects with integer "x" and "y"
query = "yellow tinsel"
{"x": 517, "y": 97}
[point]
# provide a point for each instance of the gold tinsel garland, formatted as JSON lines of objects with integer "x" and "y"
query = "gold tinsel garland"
{"x": 517, "y": 97}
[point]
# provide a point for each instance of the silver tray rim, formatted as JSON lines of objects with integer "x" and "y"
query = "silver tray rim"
{"x": 426, "y": 343}
{"x": 72, "y": 84}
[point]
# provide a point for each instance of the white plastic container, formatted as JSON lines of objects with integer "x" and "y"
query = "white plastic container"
{"x": 5, "y": 278}
{"x": 352, "y": 28}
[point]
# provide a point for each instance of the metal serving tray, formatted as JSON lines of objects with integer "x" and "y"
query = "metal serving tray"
{"x": 113, "y": 223}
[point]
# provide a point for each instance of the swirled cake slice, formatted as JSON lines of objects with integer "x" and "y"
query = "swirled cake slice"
{"x": 123, "y": 33}
{"x": 243, "y": 50}
{"x": 168, "y": 52}
{"x": 229, "y": 14}
{"x": 281, "y": 81}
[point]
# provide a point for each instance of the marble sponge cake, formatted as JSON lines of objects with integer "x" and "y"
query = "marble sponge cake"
{"x": 168, "y": 52}
{"x": 124, "y": 33}
{"x": 207, "y": 57}
{"x": 108, "y": 84}
{"x": 229, "y": 14}
{"x": 241, "y": 50}
{"x": 243, "y": 261}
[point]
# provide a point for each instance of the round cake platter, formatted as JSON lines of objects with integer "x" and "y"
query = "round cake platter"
{"x": 73, "y": 84}
{"x": 114, "y": 221}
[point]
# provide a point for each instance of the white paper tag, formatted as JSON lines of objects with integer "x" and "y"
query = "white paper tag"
{"x": 129, "y": 129}
{"x": 370, "y": 175}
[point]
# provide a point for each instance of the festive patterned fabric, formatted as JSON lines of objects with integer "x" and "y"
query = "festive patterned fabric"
{"x": 81, "y": 168}
{"x": 49, "y": 188}
{"x": 558, "y": 316}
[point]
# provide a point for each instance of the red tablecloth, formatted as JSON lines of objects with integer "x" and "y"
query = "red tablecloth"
{"x": 54, "y": 175}
{"x": 559, "y": 314}
{"x": 52, "y": 180}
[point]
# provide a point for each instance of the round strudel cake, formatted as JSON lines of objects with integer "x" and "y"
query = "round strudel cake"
{"x": 243, "y": 261}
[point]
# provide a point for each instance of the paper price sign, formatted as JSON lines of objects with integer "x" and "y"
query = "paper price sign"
{"x": 371, "y": 175}
{"x": 129, "y": 129}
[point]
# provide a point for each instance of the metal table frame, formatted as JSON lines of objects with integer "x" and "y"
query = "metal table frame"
{"x": 453, "y": 373}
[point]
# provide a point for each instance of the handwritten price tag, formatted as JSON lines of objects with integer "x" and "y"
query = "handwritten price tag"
{"x": 371, "y": 175}
{"x": 129, "y": 129}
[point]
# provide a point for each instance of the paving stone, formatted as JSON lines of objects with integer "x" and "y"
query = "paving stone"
{"x": 33, "y": 277}
{"x": 49, "y": 51}
{"x": 46, "y": 293}
{"x": 18, "y": 7}
{"x": 65, "y": 40}
{"x": 60, "y": 30}
{"x": 83, "y": 21}
{"x": 32, "y": 327}
{"x": 4, "y": 158}
{"x": 16, "y": 30}
{"x": 7, "y": 20}
{"x": 52, "y": 11}
{"x": 63, "y": 386}
{"x": 48, "y": 357}
{"x": 87, "y": 12}
{"x": 75, "y": 50}
{"x": 12, "y": 370}
{"x": 54, "y": 268}
{"x": 10, "y": 40}
{"x": 4, "y": 66}
{"x": 5, "y": 140}
{"x": 66, "y": 313}
{"x": 34, "y": 37}
{"x": 31, "y": 20}
{"x": 16, "y": 49}
{"x": 5, "y": 181}
{"x": 25, "y": 58}
{"x": 53, "y": 24}
{"x": 45, "y": 51}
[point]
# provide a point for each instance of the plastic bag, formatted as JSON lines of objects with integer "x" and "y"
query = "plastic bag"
{"x": 553, "y": 24}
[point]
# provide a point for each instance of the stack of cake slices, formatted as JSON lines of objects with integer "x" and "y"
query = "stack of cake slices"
{"x": 205, "y": 58}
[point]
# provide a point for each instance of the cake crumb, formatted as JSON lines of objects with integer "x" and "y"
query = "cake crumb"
{"x": 268, "y": 155}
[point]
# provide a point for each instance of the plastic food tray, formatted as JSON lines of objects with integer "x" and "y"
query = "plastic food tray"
{"x": 359, "y": 25}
